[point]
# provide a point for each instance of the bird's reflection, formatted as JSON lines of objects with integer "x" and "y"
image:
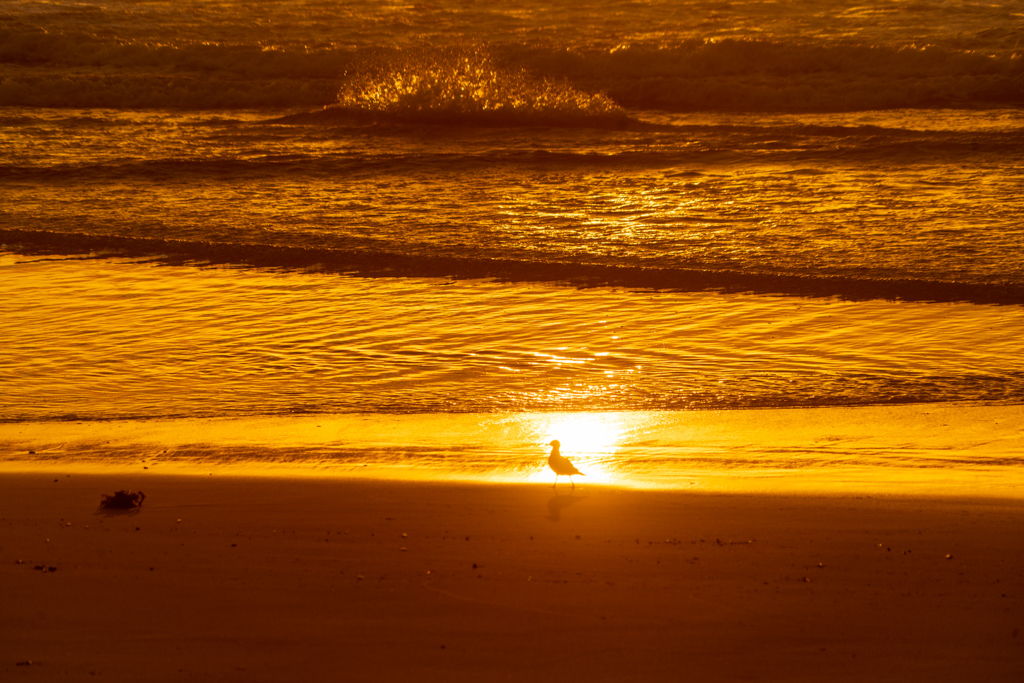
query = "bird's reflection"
{"x": 559, "y": 502}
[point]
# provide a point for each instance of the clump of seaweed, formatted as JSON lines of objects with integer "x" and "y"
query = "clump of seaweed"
{"x": 122, "y": 500}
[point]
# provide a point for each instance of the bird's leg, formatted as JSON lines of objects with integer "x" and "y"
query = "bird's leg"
{"x": 572, "y": 482}
{"x": 556, "y": 481}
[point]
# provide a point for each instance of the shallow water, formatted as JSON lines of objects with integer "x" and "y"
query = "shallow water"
{"x": 114, "y": 339}
{"x": 920, "y": 450}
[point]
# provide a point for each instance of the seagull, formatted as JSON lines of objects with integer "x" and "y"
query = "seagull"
{"x": 560, "y": 464}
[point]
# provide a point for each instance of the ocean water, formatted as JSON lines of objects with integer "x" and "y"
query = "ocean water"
{"x": 652, "y": 212}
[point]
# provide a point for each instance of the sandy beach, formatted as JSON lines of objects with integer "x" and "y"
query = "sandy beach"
{"x": 275, "y": 579}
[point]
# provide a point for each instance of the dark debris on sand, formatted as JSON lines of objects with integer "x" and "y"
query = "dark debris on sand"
{"x": 122, "y": 500}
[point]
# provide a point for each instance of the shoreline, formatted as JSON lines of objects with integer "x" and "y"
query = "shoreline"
{"x": 262, "y": 578}
{"x": 918, "y": 450}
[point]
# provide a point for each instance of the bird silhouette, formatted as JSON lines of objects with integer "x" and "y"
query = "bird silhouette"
{"x": 560, "y": 464}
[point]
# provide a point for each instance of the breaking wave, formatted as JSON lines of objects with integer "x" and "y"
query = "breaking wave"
{"x": 500, "y": 80}
{"x": 466, "y": 86}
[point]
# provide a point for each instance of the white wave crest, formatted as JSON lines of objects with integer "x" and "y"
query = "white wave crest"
{"x": 460, "y": 85}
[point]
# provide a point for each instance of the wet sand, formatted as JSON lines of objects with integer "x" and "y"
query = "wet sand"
{"x": 264, "y": 579}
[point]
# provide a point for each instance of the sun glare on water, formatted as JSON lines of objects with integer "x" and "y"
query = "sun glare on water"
{"x": 589, "y": 440}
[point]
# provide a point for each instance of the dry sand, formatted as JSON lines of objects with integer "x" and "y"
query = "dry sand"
{"x": 262, "y": 579}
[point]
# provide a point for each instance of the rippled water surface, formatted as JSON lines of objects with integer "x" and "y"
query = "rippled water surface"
{"x": 109, "y": 339}
{"x": 930, "y": 195}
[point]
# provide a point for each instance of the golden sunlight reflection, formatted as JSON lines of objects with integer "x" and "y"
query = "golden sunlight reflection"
{"x": 923, "y": 448}
{"x": 590, "y": 441}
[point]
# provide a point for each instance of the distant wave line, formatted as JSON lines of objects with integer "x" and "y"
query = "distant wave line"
{"x": 90, "y": 70}
{"x": 367, "y": 263}
{"x": 840, "y": 150}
